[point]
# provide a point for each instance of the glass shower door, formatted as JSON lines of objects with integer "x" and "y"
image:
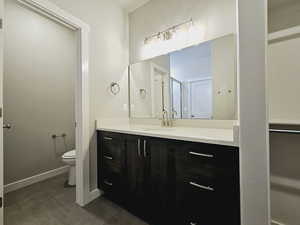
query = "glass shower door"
{"x": 176, "y": 98}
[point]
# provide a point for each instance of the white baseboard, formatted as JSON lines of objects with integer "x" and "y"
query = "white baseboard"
{"x": 274, "y": 222}
{"x": 93, "y": 195}
{"x": 34, "y": 179}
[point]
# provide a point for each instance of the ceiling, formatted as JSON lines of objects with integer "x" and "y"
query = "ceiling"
{"x": 131, "y": 5}
{"x": 279, "y": 3}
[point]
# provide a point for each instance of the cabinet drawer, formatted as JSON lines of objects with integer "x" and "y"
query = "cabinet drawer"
{"x": 192, "y": 163}
{"x": 112, "y": 147}
{"x": 196, "y": 159}
{"x": 203, "y": 180}
{"x": 110, "y": 180}
{"x": 196, "y": 204}
{"x": 111, "y": 184}
{"x": 112, "y": 165}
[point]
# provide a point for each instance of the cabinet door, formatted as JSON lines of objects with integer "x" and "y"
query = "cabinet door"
{"x": 156, "y": 179}
{"x": 135, "y": 176}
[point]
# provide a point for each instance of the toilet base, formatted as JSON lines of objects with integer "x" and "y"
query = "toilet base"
{"x": 72, "y": 176}
{"x": 66, "y": 185}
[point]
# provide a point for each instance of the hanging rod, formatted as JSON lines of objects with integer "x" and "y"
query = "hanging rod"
{"x": 285, "y": 131}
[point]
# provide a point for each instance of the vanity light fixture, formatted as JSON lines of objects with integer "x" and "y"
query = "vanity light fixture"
{"x": 169, "y": 33}
{"x": 172, "y": 39}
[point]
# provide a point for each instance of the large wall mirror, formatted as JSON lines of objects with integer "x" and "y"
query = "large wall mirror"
{"x": 198, "y": 82}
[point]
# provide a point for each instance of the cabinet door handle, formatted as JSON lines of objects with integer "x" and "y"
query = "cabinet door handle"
{"x": 108, "y": 183}
{"x": 145, "y": 150}
{"x": 139, "y": 147}
{"x": 108, "y": 157}
{"x": 202, "y": 155}
{"x": 107, "y": 138}
{"x": 202, "y": 186}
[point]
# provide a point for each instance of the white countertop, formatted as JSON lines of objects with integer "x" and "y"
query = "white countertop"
{"x": 194, "y": 134}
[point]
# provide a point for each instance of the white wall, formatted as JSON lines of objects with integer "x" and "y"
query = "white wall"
{"x": 141, "y": 105}
{"x": 253, "y": 113}
{"x": 224, "y": 78}
{"x": 108, "y": 60}
{"x": 215, "y": 18}
{"x": 39, "y": 92}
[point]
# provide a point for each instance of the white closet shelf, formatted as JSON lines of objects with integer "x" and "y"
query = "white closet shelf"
{"x": 284, "y": 33}
{"x": 284, "y": 122}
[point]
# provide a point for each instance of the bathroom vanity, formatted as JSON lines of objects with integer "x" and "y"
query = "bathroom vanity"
{"x": 169, "y": 181}
{"x": 183, "y": 175}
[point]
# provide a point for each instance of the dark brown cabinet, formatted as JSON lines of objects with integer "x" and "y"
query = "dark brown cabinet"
{"x": 157, "y": 180}
{"x": 136, "y": 179}
{"x": 146, "y": 176}
{"x": 168, "y": 181}
{"x": 112, "y": 165}
{"x": 206, "y": 183}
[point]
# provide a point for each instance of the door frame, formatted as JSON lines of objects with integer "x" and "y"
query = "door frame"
{"x": 172, "y": 80}
{"x": 47, "y": 8}
{"x": 190, "y": 82}
{"x": 153, "y": 67}
{"x": 1, "y": 113}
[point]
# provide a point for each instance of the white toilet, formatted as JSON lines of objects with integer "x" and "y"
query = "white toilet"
{"x": 70, "y": 159}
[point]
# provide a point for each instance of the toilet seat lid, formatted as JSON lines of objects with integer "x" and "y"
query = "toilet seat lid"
{"x": 70, "y": 155}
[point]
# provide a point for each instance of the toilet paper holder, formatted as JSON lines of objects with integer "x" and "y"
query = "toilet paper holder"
{"x": 63, "y": 135}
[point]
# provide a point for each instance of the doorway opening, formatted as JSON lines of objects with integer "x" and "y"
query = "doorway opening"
{"x": 58, "y": 139}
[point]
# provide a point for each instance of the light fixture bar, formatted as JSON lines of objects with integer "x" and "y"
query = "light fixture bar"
{"x": 157, "y": 35}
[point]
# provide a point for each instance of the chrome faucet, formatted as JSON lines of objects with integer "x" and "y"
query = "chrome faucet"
{"x": 165, "y": 119}
{"x": 172, "y": 118}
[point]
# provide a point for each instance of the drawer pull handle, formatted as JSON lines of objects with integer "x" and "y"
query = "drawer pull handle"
{"x": 202, "y": 155}
{"x": 108, "y": 183}
{"x": 108, "y": 157}
{"x": 139, "y": 147}
{"x": 202, "y": 186}
{"x": 145, "y": 148}
{"x": 108, "y": 138}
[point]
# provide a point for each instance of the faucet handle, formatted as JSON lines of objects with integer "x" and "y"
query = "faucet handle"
{"x": 165, "y": 119}
{"x": 174, "y": 113}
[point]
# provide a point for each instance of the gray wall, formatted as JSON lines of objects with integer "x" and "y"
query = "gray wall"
{"x": 285, "y": 173}
{"x": 109, "y": 30}
{"x": 108, "y": 52}
{"x": 39, "y": 80}
{"x": 283, "y": 16}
